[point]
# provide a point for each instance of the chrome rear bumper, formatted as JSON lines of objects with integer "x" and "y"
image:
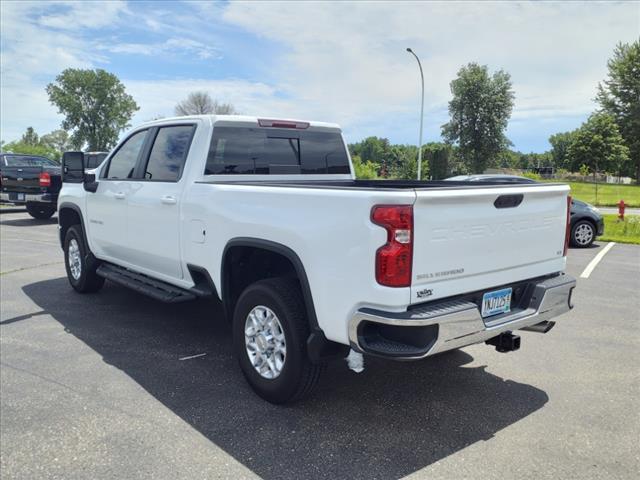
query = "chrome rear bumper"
{"x": 445, "y": 325}
{"x": 28, "y": 197}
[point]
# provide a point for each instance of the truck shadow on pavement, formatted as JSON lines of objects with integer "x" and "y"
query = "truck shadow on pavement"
{"x": 29, "y": 222}
{"x": 389, "y": 421}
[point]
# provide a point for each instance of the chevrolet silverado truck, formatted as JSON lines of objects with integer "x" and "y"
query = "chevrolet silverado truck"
{"x": 32, "y": 181}
{"x": 310, "y": 263}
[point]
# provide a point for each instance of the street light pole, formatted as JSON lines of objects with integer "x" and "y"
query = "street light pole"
{"x": 421, "y": 114}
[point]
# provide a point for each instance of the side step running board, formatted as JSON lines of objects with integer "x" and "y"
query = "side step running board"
{"x": 146, "y": 285}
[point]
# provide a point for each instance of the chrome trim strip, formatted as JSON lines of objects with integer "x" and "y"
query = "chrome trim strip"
{"x": 28, "y": 197}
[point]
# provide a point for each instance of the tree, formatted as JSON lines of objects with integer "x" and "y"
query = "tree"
{"x": 560, "y": 143}
{"x": 480, "y": 110}
{"x": 619, "y": 95}
{"x": 364, "y": 170}
{"x": 30, "y": 137}
{"x": 31, "y": 144}
{"x": 598, "y": 145}
{"x": 201, "y": 103}
{"x": 95, "y": 105}
{"x": 58, "y": 140}
{"x": 438, "y": 157}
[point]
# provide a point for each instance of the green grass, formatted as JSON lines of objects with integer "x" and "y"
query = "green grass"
{"x": 608, "y": 194}
{"x": 627, "y": 231}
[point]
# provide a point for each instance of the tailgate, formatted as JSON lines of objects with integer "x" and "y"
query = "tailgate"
{"x": 21, "y": 179}
{"x": 475, "y": 238}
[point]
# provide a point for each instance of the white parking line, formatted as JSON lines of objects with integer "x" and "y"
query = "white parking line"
{"x": 594, "y": 263}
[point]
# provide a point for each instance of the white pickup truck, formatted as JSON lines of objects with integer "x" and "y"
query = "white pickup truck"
{"x": 309, "y": 262}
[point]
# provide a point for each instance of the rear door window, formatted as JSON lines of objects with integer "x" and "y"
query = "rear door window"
{"x": 123, "y": 162}
{"x": 242, "y": 150}
{"x": 169, "y": 152}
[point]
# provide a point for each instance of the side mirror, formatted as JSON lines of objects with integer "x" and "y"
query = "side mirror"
{"x": 73, "y": 167}
{"x": 90, "y": 184}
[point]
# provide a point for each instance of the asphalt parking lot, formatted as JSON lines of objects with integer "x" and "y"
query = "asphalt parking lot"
{"x": 93, "y": 386}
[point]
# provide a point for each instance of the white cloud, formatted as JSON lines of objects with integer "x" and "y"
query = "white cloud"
{"x": 32, "y": 55}
{"x": 350, "y": 60}
{"x": 176, "y": 46}
{"x": 74, "y": 15}
{"x": 343, "y": 62}
{"x": 158, "y": 98}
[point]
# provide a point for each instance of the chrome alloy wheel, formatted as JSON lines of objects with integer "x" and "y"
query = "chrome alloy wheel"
{"x": 583, "y": 234}
{"x": 75, "y": 261}
{"x": 265, "y": 342}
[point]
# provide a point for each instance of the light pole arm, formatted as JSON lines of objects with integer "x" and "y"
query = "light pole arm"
{"x": 421, "y": 113}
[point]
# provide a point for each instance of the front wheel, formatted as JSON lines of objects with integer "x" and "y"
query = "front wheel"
{"x": 583, "y": 234}
{"x": 80, "y": 263}
{"x": 41, "y": 212}
{"x": 270, "y": 332}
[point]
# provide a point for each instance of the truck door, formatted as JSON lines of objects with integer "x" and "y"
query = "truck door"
{"x": 153, "y": 220}
{"x": 107, "y": 207}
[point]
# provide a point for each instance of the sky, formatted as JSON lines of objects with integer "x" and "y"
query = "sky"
{"x": 328, "y": 61}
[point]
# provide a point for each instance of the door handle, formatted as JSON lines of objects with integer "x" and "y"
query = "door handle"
{"x": 119, "y": 195}
{"x": 168, "y": 200}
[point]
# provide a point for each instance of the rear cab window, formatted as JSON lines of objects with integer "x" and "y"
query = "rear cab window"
{"x": 93, "y": 160}
{"x": 275, "y": 151}
{"x": 27, "y": 161}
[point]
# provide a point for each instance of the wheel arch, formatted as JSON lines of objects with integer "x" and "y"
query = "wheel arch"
{"x": 70, "y": 214}
{"x": 251, "y": 245}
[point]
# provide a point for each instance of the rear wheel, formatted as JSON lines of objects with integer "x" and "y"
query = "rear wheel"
{"x": 80, "y": 263}
{"x": 583, "y": 234}
{"x": 270, "y": 332}
{"x": 39, "y": 211}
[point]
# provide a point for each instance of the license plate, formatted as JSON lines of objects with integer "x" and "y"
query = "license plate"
{"x": 18, "y": 197}
{"x": 496, "y": 302}
{"x": 21, "y": 196}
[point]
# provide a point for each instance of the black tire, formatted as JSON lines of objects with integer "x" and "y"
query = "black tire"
{"x": 583, "y": 234}
{"x": 41, "y": 212}
{"x": 298, "y": 375}
{"x": 88, "y": 280}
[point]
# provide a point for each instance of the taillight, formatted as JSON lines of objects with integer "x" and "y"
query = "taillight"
{"x": 394, "y": 258}
{"x": 45, "y": 179}
{"x": 567, "y": 232}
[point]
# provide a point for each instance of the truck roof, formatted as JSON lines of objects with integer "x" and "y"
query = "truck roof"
{"x": 241, "y": 119}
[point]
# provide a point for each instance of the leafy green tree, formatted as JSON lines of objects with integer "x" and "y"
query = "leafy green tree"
{"x": 380, "y": 151}
{"x": 598, "y": 145}
{"x": 508, "y": 159}
{"x": 95, "y": 105}
{"x": 560, "y": 143}
{"x": 438, "y": 158}
{"x": 30, "y": 137}
{"x": 480, "y": 110}
{"x": 619, "y": 95}
{"x": 58, "y": 140}
{"x": 364, "y": 170}
{"x": 28, "y": 149}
